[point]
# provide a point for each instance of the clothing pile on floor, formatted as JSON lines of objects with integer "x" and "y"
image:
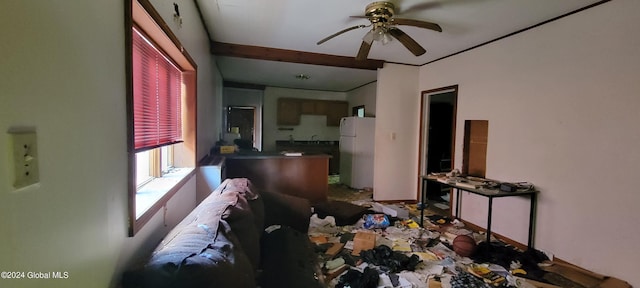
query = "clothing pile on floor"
{"x": 361, "y": 247}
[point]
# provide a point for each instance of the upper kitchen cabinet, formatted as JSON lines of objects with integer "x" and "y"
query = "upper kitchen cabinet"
{"x": 335, "y": 112}
{"x": 288, "y": 111}
{"x": 308, "y": 107}
{"x": 313, "y": 107}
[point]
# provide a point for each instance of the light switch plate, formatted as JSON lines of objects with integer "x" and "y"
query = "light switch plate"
{"x": 25, "y": 156}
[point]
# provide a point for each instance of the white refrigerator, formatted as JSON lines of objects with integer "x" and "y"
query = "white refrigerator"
{"x": 356, "y": 151}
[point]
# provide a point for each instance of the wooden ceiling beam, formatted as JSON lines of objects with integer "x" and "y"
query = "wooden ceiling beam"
{"x": 283, "y": 55}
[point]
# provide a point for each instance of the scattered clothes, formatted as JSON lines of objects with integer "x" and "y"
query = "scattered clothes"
{"x": 389, "y": 259}
{"x": 356, "y": 279}
{"x": 346, "y": 237}
{"x": 323, "y": 225}
{"x": 503, "y": 255}
{"x": 333, "y": 264}
{"x": 383, "y": 251}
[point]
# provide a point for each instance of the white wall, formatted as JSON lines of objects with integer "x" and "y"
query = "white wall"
{"x": 309, "y": 124}
{"x": 193, "y": 36}
{"x": 63, "y": 71}
{"x": 562, "y": 104}
{"x": 365, "y": 95}
{"x": 210, "y": 109}
{"x": 397, "y": 121}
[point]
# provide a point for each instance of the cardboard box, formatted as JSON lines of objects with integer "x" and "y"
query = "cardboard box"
{"x": 363, "y": 241}
{"x": 335, "y": 249}
{"x": 318, "y": 239}
{"x": 227, "y": 149}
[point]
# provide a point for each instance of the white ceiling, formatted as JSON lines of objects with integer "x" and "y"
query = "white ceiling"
{"x": 299, "y": 24}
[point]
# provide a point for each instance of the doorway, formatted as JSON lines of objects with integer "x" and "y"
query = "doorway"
{"x": 437, "y": 142}
{"x": 242, "y": 119}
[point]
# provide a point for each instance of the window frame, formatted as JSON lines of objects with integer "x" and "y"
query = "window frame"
{"x": 142, "y": 14}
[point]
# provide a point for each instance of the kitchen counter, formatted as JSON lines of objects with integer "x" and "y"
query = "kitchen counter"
{"x": 304, "y": 176}
{"x": 264, "y": 155}
{"x": 308, "y": 142}
{"x": 314, "y": 147}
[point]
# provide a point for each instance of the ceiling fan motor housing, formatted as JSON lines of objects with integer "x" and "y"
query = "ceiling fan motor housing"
{"x": 380, "y": 12}
{"x": 381, "y": 15}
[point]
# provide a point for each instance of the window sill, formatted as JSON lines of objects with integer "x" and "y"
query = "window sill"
{"x": 153, "y": 192}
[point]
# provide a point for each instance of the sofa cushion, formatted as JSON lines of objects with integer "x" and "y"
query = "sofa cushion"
{"x": 242, "y": 222}
{"x": 218, "y": 243}
{"x": 250, "y": 194}
{"x": 205, "y": 250}
{"x": 200, "y": 263}
{"x": 288, "y": 259}
{"x": 286, "y": 210}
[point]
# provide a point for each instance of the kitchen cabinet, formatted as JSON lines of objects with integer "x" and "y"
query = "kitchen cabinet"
{"x": 288, "y": 111}
{"x": 335, "y": 112}
{"x": 321, "y": 107}
{"x": 308, "y": 107}
{"x": 330, "y": 148}
{"x": 314, "y": 107}
{"x": 302, "y": 176}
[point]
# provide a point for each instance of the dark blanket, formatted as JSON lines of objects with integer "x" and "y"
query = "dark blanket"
{"x": 345, "y": 213}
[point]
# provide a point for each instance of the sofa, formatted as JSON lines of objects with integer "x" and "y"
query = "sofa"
{"x": 223, "y": 243}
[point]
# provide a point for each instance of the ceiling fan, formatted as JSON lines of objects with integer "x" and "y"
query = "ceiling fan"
{"x": 384, "y": 29}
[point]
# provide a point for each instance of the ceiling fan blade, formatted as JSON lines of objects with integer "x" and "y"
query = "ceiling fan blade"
{"x": 421, "y": 6}
{"x": 364, "y": 51}
{"x": 340, "y": 32}
{"x": 407, "y": 41}
{"x": 417, "y": 23}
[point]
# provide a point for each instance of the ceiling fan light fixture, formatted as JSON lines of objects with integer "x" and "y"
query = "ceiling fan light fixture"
{"x": 384, "y": 37}
{"x": 379, "y": 34}
{"x": 302, "y": 76}
{"x": 369, "y": 37}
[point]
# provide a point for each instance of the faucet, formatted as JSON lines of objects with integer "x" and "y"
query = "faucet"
{"x": 290, "y": 138}
{"x": 314, "y": 136}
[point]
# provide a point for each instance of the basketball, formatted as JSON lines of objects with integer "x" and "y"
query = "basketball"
{"x": 464, "y": 245}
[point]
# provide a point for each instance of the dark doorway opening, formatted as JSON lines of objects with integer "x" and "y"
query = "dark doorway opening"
{"x": 241, "y": 120}
{"x": 437, "y": 143}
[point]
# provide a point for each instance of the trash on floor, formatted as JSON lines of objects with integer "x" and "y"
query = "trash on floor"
{"x": 385, "y": 247}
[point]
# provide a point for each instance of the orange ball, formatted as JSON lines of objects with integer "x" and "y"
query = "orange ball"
{"x": 464, "y": 245}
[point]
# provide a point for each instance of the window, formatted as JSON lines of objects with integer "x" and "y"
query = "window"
{"x": 160, "y": 113}
{"x": 157, "y": 84}
{"x": 357, "y": 111}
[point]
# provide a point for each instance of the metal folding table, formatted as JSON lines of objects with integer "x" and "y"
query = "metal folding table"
{"x": 486, "y": 192}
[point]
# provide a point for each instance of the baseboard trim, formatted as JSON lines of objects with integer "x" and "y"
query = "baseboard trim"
{"x": 502, "y": 238}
